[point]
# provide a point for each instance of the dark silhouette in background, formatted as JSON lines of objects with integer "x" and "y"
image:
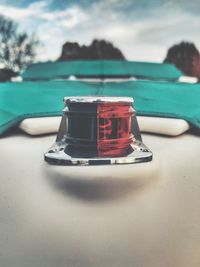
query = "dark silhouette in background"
{"x": 7, "y": 74}
{"x": 98, "y": 49}
{"x": 185, "y": 57}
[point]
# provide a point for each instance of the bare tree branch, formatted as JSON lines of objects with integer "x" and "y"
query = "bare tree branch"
{"x": 17, "y": 50}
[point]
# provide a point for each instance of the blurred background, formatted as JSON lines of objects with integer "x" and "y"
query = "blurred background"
{"x": 140, "y": 30}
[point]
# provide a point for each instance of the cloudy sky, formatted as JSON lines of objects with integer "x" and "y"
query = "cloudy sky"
{"x": 142, "y": 29}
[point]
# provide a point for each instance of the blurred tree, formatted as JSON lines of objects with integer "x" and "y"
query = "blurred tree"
{"x": 186, "y": 57}
{"x": 98, "y": 49}
{"x": 17, "y": 50}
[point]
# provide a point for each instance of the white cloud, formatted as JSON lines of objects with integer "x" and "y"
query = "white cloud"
{"x": 141, "y": 34}
{"x": 19, "y": 14}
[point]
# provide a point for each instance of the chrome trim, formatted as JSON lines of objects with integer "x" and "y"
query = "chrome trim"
{"x": 56, "y": 155}
{"x": 97, "y": 99}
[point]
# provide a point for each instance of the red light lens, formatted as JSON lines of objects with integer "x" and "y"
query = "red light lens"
{"x": 114, "y": 129}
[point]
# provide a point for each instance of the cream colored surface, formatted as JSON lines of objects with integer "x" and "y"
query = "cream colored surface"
{"x": 166, "y": 126}
{"x": 106, "y": 175}
{"x": 47, "y": 221}
{"x": 37, "y": 126}
{"x": 188, "y": 79}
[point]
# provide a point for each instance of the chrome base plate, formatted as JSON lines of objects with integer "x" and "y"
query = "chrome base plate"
{"x": 57, "y": 156}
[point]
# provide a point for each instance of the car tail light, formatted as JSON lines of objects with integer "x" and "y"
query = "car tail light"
{"x": 98, "y": 130}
